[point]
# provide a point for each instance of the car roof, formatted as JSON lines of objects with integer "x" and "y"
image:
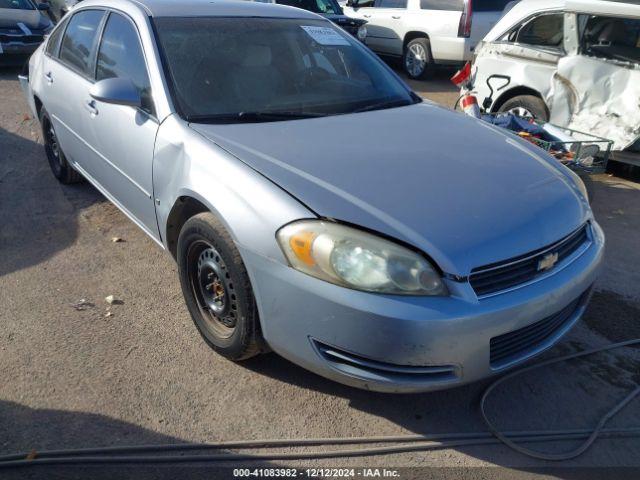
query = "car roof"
{"x": 205, "y": 8}
{"x": 527, "y": 8}
{"x": 614, "y": 7}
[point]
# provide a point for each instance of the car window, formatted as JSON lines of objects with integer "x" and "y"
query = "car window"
{"x": 120, "y": 56}
{"x": 542, "y": 31}
{"x": 391, "y": 4}
{"x": 610, "y": 37}
{"x": 453, "y": 5}
{"x": 490, "y": 5}
{"x": 365, "y": 3}
{"x": 79, "y": 39}
{"x": 458, "y": 5}
{"x": 53, "y": 44}
{"x": 223, "y": 70}
{"x": 316, "y": 6}
{"x": 17, "y": 4}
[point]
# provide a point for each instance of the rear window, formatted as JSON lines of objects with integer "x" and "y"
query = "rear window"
{"x": 490, "y": 5}
{"x": 458, "y": 5}
{"x": 455, "y": 5}
{"x": 79, "y": 40}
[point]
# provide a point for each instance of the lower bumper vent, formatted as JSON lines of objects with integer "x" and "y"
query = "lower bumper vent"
{"x": 356, "y": 365}
{"x": 524, "y": 342}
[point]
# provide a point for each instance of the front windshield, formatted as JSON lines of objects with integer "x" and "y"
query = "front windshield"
{"x": 17, "y": 4}
{"x": 316, "y": 6}
{"x": 236, "y": 69}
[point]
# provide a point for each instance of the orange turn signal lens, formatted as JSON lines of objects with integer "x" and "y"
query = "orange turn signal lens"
{"x": 301, "y": 244}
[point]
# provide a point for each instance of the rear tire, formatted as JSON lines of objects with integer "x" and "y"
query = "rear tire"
{"x": 60, "y": 167}
{"x": 217, "y": 289}
{"x": 417, "y": 61}
{"x": 526, "y": 106}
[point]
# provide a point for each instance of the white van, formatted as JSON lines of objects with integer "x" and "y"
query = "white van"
{"x": 573, "y": 62}
{"x": 426, "y": 32}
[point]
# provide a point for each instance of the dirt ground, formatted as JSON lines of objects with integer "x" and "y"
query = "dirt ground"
{"x": 70, "y": 376}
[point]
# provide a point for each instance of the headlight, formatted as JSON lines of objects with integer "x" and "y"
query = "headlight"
{"x": 362, "y": 33}
{"x": 356, "y": 259}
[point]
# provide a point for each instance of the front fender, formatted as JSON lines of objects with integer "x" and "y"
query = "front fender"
{"x": 251, "y": 207}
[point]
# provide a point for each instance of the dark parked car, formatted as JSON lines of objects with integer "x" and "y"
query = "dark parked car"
{"x": 331, "y": 10}
{"x": 23, "y": 25}
{"x": 59, "y": 8}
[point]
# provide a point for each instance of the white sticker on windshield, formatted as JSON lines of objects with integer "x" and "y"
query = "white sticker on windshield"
{"x": 325, "y": 35}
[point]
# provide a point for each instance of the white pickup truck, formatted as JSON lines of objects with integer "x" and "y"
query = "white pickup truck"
{"x": 426, "y": 32}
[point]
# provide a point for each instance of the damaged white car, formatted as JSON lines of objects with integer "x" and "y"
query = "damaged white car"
{"x": 575, "y": 63}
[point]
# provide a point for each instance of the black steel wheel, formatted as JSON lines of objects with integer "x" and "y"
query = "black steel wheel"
{"x": 217, "y": 288}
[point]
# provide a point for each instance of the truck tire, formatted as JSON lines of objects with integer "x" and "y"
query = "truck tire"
{"x": 416, "y": 59}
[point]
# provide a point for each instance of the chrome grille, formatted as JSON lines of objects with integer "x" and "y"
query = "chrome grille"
{"x": 517, "y": 271}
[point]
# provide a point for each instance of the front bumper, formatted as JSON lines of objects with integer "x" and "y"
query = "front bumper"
{"x": 410, "y": 344}
{"x": 16, "y": 53}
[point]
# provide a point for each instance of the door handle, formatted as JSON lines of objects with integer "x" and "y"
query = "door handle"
{"x": 397, "y": 17}
{"x": 366, "y": 16}
{"x": 90, "y": 106}
{"x": 48, "y": 77}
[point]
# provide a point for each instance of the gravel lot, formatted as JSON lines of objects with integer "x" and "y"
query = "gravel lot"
{"x": 74, "y": 377}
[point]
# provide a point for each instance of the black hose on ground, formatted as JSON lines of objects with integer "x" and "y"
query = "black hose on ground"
{"x": 406, "y": 443}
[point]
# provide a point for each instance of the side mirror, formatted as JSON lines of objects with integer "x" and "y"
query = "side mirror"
{"x": 117, "y": 91}
{"x": 45, "y": 7}
{"x": 352, "y": 3}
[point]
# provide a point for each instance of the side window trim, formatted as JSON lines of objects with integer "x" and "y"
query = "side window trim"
{"x": 112, "y": 11}
{"x": 63, "y": 27}
{"x": 94, "y": 46}
{"x": 559, "y": 48}
{"x": 520, "y": 24}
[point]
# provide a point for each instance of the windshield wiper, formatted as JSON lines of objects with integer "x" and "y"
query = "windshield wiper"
{"x": 252, "y": 117}
{"x": 382, "y": 105}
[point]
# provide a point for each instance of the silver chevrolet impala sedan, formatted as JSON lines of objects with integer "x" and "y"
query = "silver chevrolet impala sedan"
{"x": 314, "y": 204}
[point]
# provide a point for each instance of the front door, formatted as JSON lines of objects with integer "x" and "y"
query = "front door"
{"x": 123, "y": 137}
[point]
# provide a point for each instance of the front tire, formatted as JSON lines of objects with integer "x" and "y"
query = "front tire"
{"x": 60, "y": 167}
{"x": 416, "y": 59}
{"x": 217, "y": 289}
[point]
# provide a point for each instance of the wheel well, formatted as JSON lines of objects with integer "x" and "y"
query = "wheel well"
{"x": 412, "y": 36}
{"x": 182, "y": 210}
{"x": 38, "y": 104}
{"x": 515, "y": 92}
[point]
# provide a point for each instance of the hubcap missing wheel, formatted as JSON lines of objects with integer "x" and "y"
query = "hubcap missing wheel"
{"x": 215, "y": 289}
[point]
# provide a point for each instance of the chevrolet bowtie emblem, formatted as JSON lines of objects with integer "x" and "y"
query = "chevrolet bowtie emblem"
{"x": 547, "y": 262}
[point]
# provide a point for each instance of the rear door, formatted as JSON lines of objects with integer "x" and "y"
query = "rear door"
{"x": 597, "y": 86}
{"x": 386, "y": 25}
{"x": 68, "y": 76}
{"x": 366, "y": 11}
{"x": 123, "y": 137}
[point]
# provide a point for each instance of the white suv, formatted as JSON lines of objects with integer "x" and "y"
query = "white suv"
{"x": 426, "y": 32}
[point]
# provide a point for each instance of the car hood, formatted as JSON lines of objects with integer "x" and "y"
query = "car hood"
{"x": 457, "y": 188}
{"x": 32, "y": 19}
